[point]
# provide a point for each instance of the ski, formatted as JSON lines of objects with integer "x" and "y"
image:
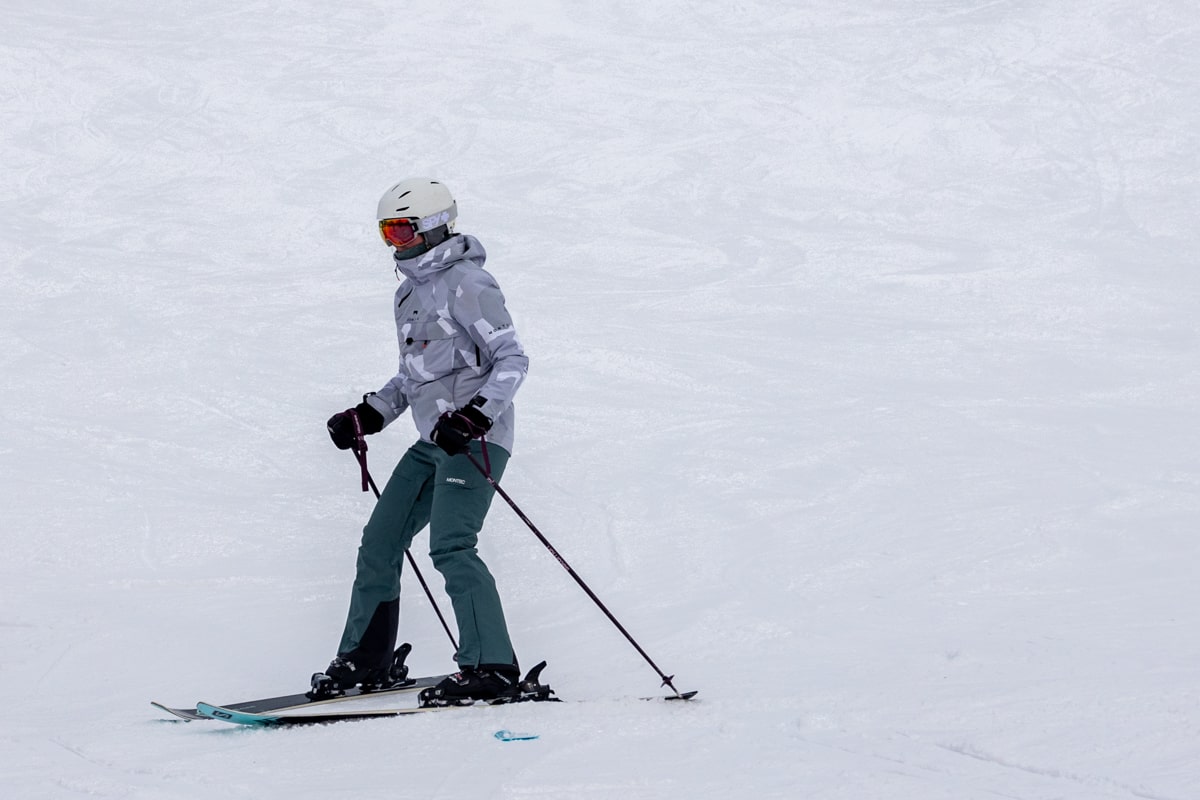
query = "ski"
{"x": 403, "y": 685}
{"x": 294, "y": 701}
{"x": 297, "y": 716}
{"x": 531, "y": 690}
{"x": 300, "y": 716}
{"x": 304, "y": 709}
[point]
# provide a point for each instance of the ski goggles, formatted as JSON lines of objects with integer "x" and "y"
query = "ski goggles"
{"x": 399, "y": 233}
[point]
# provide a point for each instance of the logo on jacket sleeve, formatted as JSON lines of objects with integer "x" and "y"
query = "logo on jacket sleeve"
{"x": 489, "y": 331}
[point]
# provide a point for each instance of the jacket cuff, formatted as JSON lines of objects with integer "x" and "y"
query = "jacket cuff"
{"x": 384, "y": 408}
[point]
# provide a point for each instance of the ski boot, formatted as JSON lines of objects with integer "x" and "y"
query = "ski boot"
{"x": 395, "y": 675}
{"x": 343, "y": 674}
{"x": 491, "y": 684}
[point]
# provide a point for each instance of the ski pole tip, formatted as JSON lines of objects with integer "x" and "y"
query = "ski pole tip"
{"x": 669, "y": 680}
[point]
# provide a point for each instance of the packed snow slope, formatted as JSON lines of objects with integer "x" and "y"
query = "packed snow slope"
{"x": 865, "y": 390}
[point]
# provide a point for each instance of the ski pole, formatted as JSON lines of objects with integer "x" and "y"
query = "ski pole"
{"x": 667, "y": 680}
{"x": 360, "y": 453}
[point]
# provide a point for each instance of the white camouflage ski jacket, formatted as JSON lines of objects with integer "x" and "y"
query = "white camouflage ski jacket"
{"x": 457, "y": 341}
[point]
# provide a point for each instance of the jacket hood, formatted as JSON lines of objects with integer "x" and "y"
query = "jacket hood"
{"x": 455, "y": 250}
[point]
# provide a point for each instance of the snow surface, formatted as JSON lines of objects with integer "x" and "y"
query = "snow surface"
{"x": 864, "y": 389}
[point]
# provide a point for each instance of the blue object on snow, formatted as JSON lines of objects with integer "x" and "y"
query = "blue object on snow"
{"x": 509, "y": 736}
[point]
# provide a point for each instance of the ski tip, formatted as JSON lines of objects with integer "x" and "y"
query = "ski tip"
{"x": 185, "y": 714}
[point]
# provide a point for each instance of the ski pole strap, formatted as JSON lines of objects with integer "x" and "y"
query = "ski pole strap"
{"x": 360, "y": 450}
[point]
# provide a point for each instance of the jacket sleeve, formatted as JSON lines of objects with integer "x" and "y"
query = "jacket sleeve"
{"x": 391, "y": 401}
{"x": 479, "y": 307}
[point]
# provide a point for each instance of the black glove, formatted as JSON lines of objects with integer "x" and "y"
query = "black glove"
{"x": 342, "y": 429}
{"x": 455, "y": 429}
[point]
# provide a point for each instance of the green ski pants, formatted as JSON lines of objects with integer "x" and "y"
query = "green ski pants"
{"x": 429, "y": 487}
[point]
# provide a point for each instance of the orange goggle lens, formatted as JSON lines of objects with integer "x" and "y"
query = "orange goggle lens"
{"x": 398, "y": 232}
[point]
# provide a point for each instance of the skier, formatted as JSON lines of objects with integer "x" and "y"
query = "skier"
{"x": 460, "y": 365}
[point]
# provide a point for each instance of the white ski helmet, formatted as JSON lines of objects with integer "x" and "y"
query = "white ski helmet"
{"x": 423, "y": 203}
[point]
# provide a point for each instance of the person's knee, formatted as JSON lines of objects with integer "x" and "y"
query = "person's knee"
{"x": 461, "y": 553}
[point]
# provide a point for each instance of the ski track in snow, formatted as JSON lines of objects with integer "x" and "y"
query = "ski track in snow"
{"x": 864, "y": 390}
